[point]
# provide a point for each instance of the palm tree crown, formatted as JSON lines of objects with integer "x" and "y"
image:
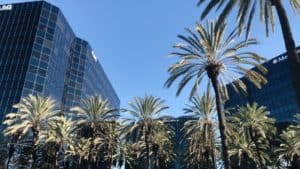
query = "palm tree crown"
{"x": 246, "y": 11}
{"x": 94, "y": 111}
{"x": 206, "y": 53}
{"x": 34, "y": 114}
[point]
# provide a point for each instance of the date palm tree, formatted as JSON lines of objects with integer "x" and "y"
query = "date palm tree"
{"x": 60, "y": 136}
{"x": 33, "y": 115}
{"x": 94, "y": 113}
{"x": 257, "y": 127}
{"x": 162, "y": 148}
{"x": 245, "y": 13}
{"x": 200, "y": 130}
{"x": 242, "y": 151}
{"x": 111, "y": 140}
{"x": 289, "y": 150}
{"x": 206, "y": 54}
{"x": 145, "y": 115}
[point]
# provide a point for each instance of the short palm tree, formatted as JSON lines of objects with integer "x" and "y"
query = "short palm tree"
{"x": 145, "y": 114}
{"x": 245, "y": 13}
{"x": 111, "y": 140}
{"x": 128, "y": 155}
{"x": 162, "y": 149}
{"x": 289, "y": 150}
{"x": 200, "y": 130}
{"x": 242, "y": 151}
{"x": 94, "y": 113}
{"x": 207, "y": 54}
{"x": 253, "y": 120}
{"x": 33, "y": 115}
{"x": 61, "y": 134}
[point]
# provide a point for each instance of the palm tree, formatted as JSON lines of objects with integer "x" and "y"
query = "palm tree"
{"x": 289, "y": 150}
{"x": 200, "y": 130}
{"x": 242, "y": 151}
{"x": 253, "y": 120}
{"x": 33, "y": 115}
{"x": 245, "y": 14}
{"x": 162, "y": 148}
{"x": 11, "y": 147}
{"x": 112, "y": 142}
{"x": 79, "y": 150}
{"x": 93, "y": 114}
{"x": 61, "y": 134}
{"x": 205, "y": 54}
{"x": 128, "y": 155}
{"x": 146, "y": 114}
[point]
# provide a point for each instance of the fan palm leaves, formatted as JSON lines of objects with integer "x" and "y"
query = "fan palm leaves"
{"x": 145, "y": 115}
{"x": 206, "y": 54}
{"x": 200, "y": 130}
{"x": 33, "y": 115}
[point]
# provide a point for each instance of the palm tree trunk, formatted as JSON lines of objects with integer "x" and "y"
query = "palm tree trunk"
{"x": 57, "y": 148}
{"x": 213, "y": 155}
{"x": 156, "y": 162}
{"x": 261, "y": 165}
{"x": 34, "y": 155}
{"x": 90, "y": 161}
{"x": 295, "y": 162}
{"x": 111, "y": 159}
{"x": 147, "y": 146}
{"x": 290, "y": 46}
{"x": 11, "y": 149}
{"x": 222, "y": 124}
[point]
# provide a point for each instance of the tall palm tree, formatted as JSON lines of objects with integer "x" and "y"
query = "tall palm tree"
{"x": 146, "y": 113}
{"x": 33, "y": 115}
{"x": 257, "y": 127}
{"x": 200, "y": 130}
{"x": 207, "y": 54}
{"x": 93, "y": 114}
{"x": 245, "y": 12}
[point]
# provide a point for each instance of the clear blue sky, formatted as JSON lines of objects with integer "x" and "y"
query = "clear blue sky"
{"x": 132, "y": 40}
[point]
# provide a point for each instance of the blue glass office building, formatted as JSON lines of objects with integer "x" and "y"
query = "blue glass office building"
{"x": 40, "y": 54}
{"x": 279, "y": 95}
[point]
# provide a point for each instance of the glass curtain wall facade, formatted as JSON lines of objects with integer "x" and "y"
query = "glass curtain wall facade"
{"x": 279, "y": 95}
{"x": 85, "y": 77}
{"x": 41, "y": 55}
{"x": 18, "y": 27}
